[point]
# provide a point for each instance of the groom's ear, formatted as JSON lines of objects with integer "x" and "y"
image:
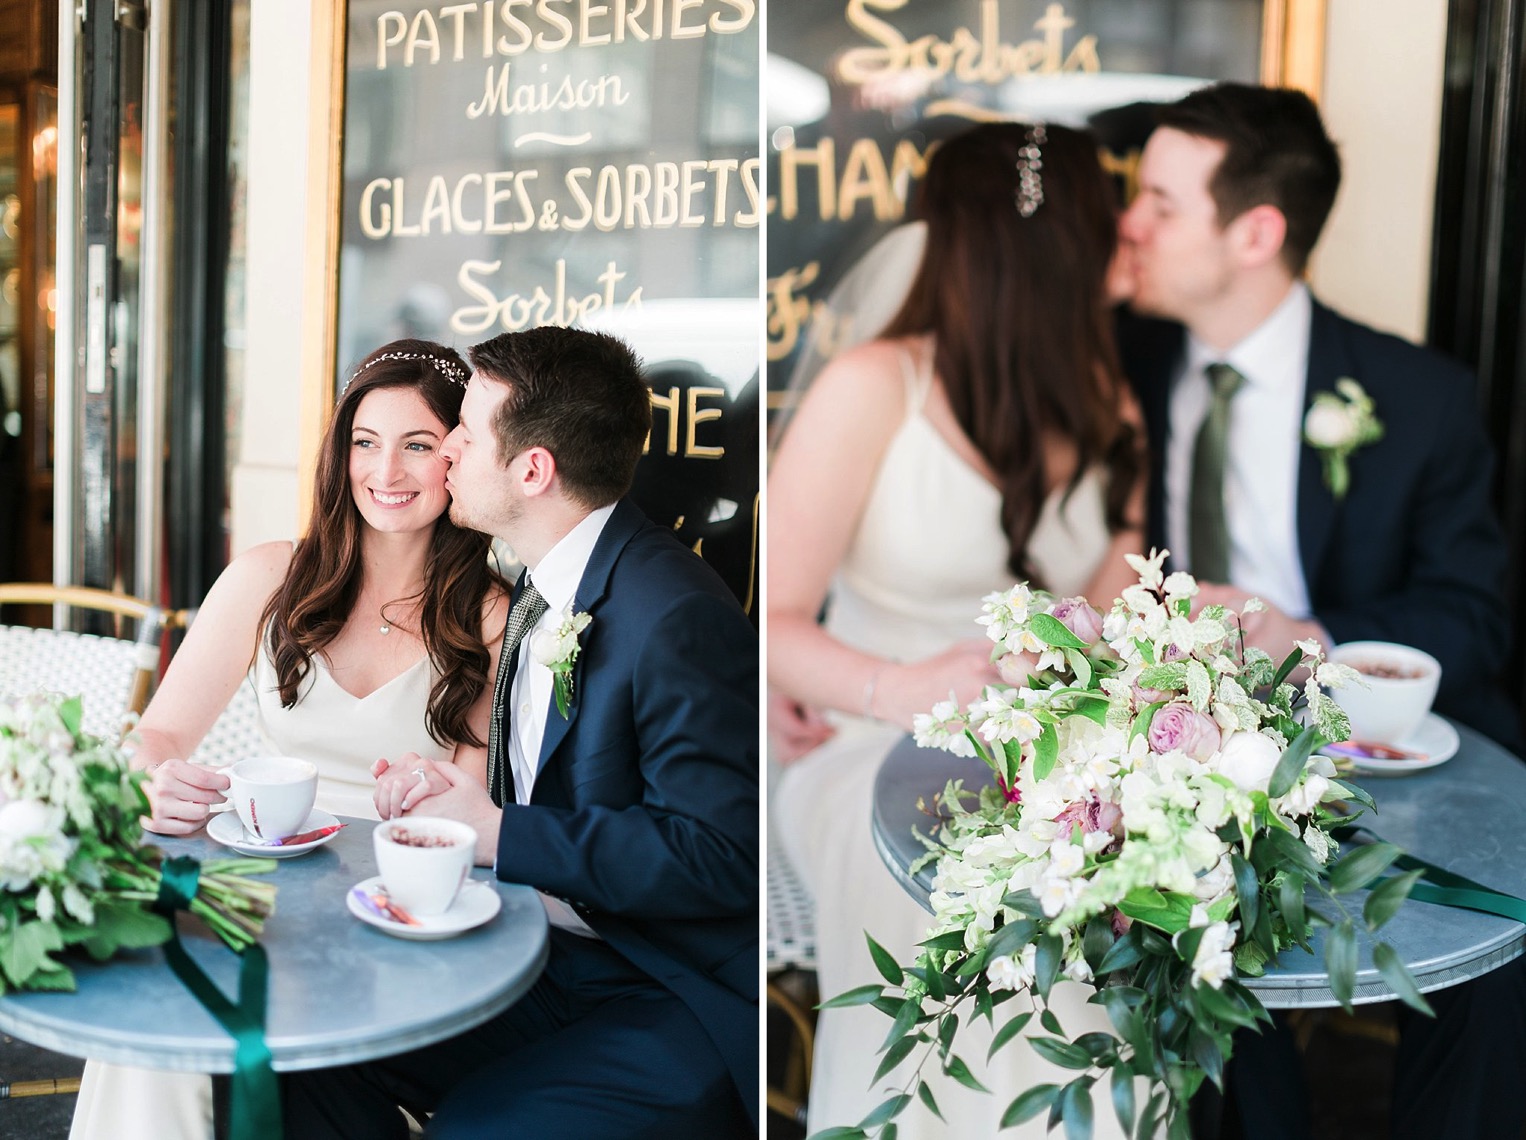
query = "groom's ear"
{"x": 538, "y": 471}
{"x": 1257, "y": 235}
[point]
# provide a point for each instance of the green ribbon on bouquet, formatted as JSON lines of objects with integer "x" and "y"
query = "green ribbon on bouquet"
{"x": 1441, "y": 886}
{"x": 255, "y": 1098}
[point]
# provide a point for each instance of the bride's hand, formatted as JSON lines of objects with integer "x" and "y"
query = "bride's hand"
{"x": 182, "y": 795}
{"x": 903, "y": 691}
{"x": 795, "y": 728}
{"x": 402, "y": 783}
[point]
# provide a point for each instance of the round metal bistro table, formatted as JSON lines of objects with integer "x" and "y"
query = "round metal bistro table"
{"x": 341, "y": 991}
{"x": 1463, "y": 815}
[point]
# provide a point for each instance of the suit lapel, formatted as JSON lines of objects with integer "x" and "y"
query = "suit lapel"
{"x": 1316, "y": 506}
{"x": 622, "y": 524}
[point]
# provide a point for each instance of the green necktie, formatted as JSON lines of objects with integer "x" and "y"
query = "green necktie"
{"x": 1207, "y": 528}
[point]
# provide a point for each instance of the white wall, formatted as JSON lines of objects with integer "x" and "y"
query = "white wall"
{"x": 1382, "y": 105}
{"x": 265, "y": 486}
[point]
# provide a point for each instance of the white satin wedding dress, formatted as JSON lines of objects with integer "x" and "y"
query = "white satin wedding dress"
{"x": 928, "y": 548}
{"x": 343, "y": 735}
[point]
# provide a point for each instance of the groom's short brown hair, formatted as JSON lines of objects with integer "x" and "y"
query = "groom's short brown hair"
{"x": 580, "y": 395}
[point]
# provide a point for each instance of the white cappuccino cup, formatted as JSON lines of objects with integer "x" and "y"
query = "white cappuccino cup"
{"x": 423, "y": 861}
{"x": 273, "y": 795}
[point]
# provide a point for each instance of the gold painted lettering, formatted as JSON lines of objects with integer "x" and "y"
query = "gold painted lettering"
{"x": 544, "y": 42}
{"x": 425, "y": 20}
{"x": 520, "y": 29}
{"x": 823, "y": 157}
{"x": 864, "y": 176}
{"x": 436, "y": 205}
{"x": 574, "y": 181}
{"x": 750, "y": 170}
{"x": 399, "y": 228}
{"x": 587, "y": 13}
{"x": 457, "y": 12}
{"x": 463, "y": 224}
{"x": 787, "y": 311}
{"x": 638, "y": 186}
{"x": 745, "y": 11}
{"x": 369, "y": 225}
{"x": 666, "y": 211}
{"x": 682, "y": 31}
{"x": 693, "y": 186}
{"x": 385, "y": 39}
{"x": 697, "y": 416}
{"x": 495, "y": 195}
{"x": 669, "y": 405}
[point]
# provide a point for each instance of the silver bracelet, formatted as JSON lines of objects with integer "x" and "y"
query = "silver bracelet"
{"x": 869, "y": 687}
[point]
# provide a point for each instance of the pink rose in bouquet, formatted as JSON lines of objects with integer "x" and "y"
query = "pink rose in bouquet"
{"x": 1078, "y": 616}
{"x": 1181, "y": 728}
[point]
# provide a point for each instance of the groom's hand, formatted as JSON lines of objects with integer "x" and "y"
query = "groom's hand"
{"x": 466, "y": 801}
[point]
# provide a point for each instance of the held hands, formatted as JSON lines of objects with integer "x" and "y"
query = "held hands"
{"x": 402, "y": 783}
{"x": 411, "y": 784}
{"x": 182, "y": 795}
{"x": 903, "y": 691}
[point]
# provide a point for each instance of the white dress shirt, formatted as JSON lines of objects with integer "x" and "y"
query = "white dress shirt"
{"x": 556, "y": 577}
{"x": 1261, "y": 466}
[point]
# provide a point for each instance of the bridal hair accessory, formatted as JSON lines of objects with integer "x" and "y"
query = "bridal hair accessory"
{"x": 446, "y": 368}
{"x": 1030, "y": 160}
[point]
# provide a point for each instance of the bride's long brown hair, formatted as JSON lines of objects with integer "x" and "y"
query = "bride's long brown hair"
{"x": 322, "y": 583}
{"x": 1017, "y": 306}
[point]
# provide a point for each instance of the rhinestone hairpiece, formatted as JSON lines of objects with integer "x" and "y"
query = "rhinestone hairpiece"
{"x": 1030, "y": 161}
{"x": 446, "y": 368}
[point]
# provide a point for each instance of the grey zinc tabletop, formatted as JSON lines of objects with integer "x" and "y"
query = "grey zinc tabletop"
{"x": 340, "y": 991}
{"x": 1464, "y": 816}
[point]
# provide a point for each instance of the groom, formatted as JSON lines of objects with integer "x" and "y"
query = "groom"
{"x": 631, "y": 805}
{"x": 1235, "y": 186}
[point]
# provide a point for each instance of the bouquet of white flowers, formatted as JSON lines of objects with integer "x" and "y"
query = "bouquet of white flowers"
{"x": 73, "y": 871}
{"x": 1159, "y": 815}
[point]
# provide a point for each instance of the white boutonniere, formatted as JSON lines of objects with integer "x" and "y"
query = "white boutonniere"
{"x": 1337, "y": 424}
{"x": 557, "y": 649}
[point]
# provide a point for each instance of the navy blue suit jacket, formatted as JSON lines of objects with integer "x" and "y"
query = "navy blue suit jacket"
{"x": 644, "y": 814}
{"x": 1414, "y": 552}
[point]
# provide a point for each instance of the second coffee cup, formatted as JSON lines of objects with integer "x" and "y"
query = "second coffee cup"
{"x": 273, "y": 795}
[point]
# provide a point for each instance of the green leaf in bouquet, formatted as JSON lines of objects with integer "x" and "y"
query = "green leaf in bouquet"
{"x": 1168, "y": 911}
{"x": 72, "y": 712}
{"x": 1052, "y": 1023}
{"x": 1285, "y": 670}
{"x": 1012, "y": 936}
{"x": 948, "y": 1025}
{"x": 1146, "y": 715}
{"x": 1294, "y": 757}
{"x": 1023, "y": 902}
{"x": 54, "y": 977}
{"x": 925, "y": 1095}
{"x": 906, "y": 1020}
{"x": 1149, "y": 1120}
{"x": 1355, "y": 793}
{"x": 1247, "y": 888}
{"x": 894, "y": 1056}
{"x": 1386, "y": 898}
{"x": 885, "y": 1003}
{"x": 1399, "y": 979}
{"x": 1199, "y": 684}
{"x": 1040, "y": 1098}
{"x": 1170, "y": 675}
{"x": 885, "y": 962}
{"x": 948, "y": 940}
{"x": 841, "y": 1132}
{"x": 1052, "y": 631}
{"x": 1208, "y": 1056}
{"x": 1100, "y": 1046}
{"x": 1340, "y": 962}
{"x": 956, "y": 1068}
{"x": 1361, "y": 865}
{"x": 26, "y": 951}
{"x": 121, "y": 925}
{"x": 1250, "y": 959}
{"x": 984, "y": 1006}
{"x": 1120, "y": 1003}
{"x": 1061, "y": 1053}
{"x": 1009, "y": 1031}
{"x": 1123, "y": 953}
{"x": 1097, "y": 941}
{"x": 1152, "y": 943}
{"x": 1076, "y": 1102}
{"x": 858, "y": 995}
{"x": 1046, "y": 750}
{"x": 1093, "y": 708}
{"x": 1291, "y": 851}
{"x": 1046, "y": 967}
{"x": 1123, "y": 1098}
{"x": 1329, "y": 718}
{"x": 886, "y": 1111}
{"x": 1080, "y": 666}
{"x": 1223, "y": 1007}
{"x": 1290, "y": 888}
{"x": 890, "y": 1131}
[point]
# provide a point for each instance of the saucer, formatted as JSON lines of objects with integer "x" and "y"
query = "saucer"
{"x": 227, "y": 830}
{"x": 476, "y": 903}
{"x": 1435, "y": 739}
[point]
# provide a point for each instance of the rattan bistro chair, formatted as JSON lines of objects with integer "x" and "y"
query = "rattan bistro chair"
{"x": 114, "y": 677}
{"x": 791, "y": 928}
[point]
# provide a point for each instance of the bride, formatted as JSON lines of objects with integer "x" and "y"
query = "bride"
{"x": 986, "y": 437}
